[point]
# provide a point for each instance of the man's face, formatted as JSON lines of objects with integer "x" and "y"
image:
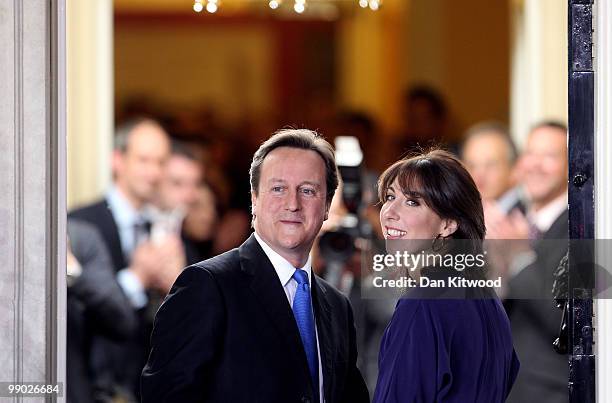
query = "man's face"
{"x": 290, "y": 204}
{"x": 139, "y": 169}
{"x": 179, "y": 185}
{"x": 544, "y": 165}
{"x": 487, "y": 158}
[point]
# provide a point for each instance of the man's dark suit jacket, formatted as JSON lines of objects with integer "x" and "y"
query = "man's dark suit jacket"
{"x": 100, "y": 215}
{"x": 226, "y": 333}
{"x": 535, "y": 323}
{"x": 116, "y": 364}
{"x": 96, "y": 306}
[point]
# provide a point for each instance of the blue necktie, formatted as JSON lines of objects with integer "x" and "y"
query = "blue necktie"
{"x": 304, "y": 317}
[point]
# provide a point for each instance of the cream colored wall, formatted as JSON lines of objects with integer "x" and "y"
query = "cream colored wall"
{"x": 90, "y": 97}
{"x": 229, "y": 67}
{"x": 539, "y": 64}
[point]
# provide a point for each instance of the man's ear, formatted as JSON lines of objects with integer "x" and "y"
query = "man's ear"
{"x": 449, "y": 227}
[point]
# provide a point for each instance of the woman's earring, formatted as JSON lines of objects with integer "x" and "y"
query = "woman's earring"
{"x": 438, "y": 243}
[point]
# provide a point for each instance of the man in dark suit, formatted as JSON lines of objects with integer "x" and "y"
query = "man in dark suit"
{"x": 140, "y": 152}
{"x": 96, "y": 306}
{"x": 255, "y": 324}
{"x": 535, "y": 322}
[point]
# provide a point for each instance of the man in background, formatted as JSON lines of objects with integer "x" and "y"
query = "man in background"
{"x": 535, "y": 322}
{"x": 141, "y": 150}
{"x": 489, "y": 154}
{"x": 177, "y": 195}
{"x": 96, "y": 306}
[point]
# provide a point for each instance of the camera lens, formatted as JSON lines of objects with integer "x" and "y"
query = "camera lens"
{"x": 337, "y": 245}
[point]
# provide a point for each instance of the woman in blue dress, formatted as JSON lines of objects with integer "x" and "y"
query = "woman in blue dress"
{"x": 443, "y": 344}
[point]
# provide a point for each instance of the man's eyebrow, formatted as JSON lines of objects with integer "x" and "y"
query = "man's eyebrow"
{"x": 304, "y": 183}
{"x": 315, "y": 184}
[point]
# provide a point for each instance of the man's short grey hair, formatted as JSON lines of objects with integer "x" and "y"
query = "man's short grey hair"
{"x": 495, "y": 128}
{"x": 124, "y": 130}
{"x": 302, "y": 139}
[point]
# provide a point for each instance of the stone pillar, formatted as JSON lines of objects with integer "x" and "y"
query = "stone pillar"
{"x": 32, "y": 193}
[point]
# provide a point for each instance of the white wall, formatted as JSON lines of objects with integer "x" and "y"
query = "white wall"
{"x": 603, "y": 197}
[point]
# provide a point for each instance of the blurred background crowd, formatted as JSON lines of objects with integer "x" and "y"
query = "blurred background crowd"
{"x": 194, "y": 96}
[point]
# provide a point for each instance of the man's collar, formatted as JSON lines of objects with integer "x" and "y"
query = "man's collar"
{"x": 283, "y": 268}
{"x": 124, "y": 213}
{"x": 546, "y": 216}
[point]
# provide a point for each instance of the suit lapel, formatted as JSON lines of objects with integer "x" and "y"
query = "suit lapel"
{"x": 109, "y": 230}
{"x": 268, "y": 290}
{"x": 324, "y": 324}
{"x": 559, "y": 228}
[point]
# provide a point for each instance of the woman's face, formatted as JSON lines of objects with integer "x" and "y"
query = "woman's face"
{"x": 407, "y": 217}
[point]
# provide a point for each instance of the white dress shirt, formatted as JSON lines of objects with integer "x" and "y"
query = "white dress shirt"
{"x": 543, "y": 219}
{"x": 547, "y": 215}
{"x": 125, "y": 216}
{"x": 285, "y": 271}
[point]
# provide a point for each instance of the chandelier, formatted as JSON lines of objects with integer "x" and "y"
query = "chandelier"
{"x": 299, "y": 6}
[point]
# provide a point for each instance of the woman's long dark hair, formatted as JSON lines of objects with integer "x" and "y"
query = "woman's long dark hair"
{"x": 446, "y": 187}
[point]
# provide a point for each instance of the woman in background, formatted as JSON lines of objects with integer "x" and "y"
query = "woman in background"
{"x": 442, "y": 345}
